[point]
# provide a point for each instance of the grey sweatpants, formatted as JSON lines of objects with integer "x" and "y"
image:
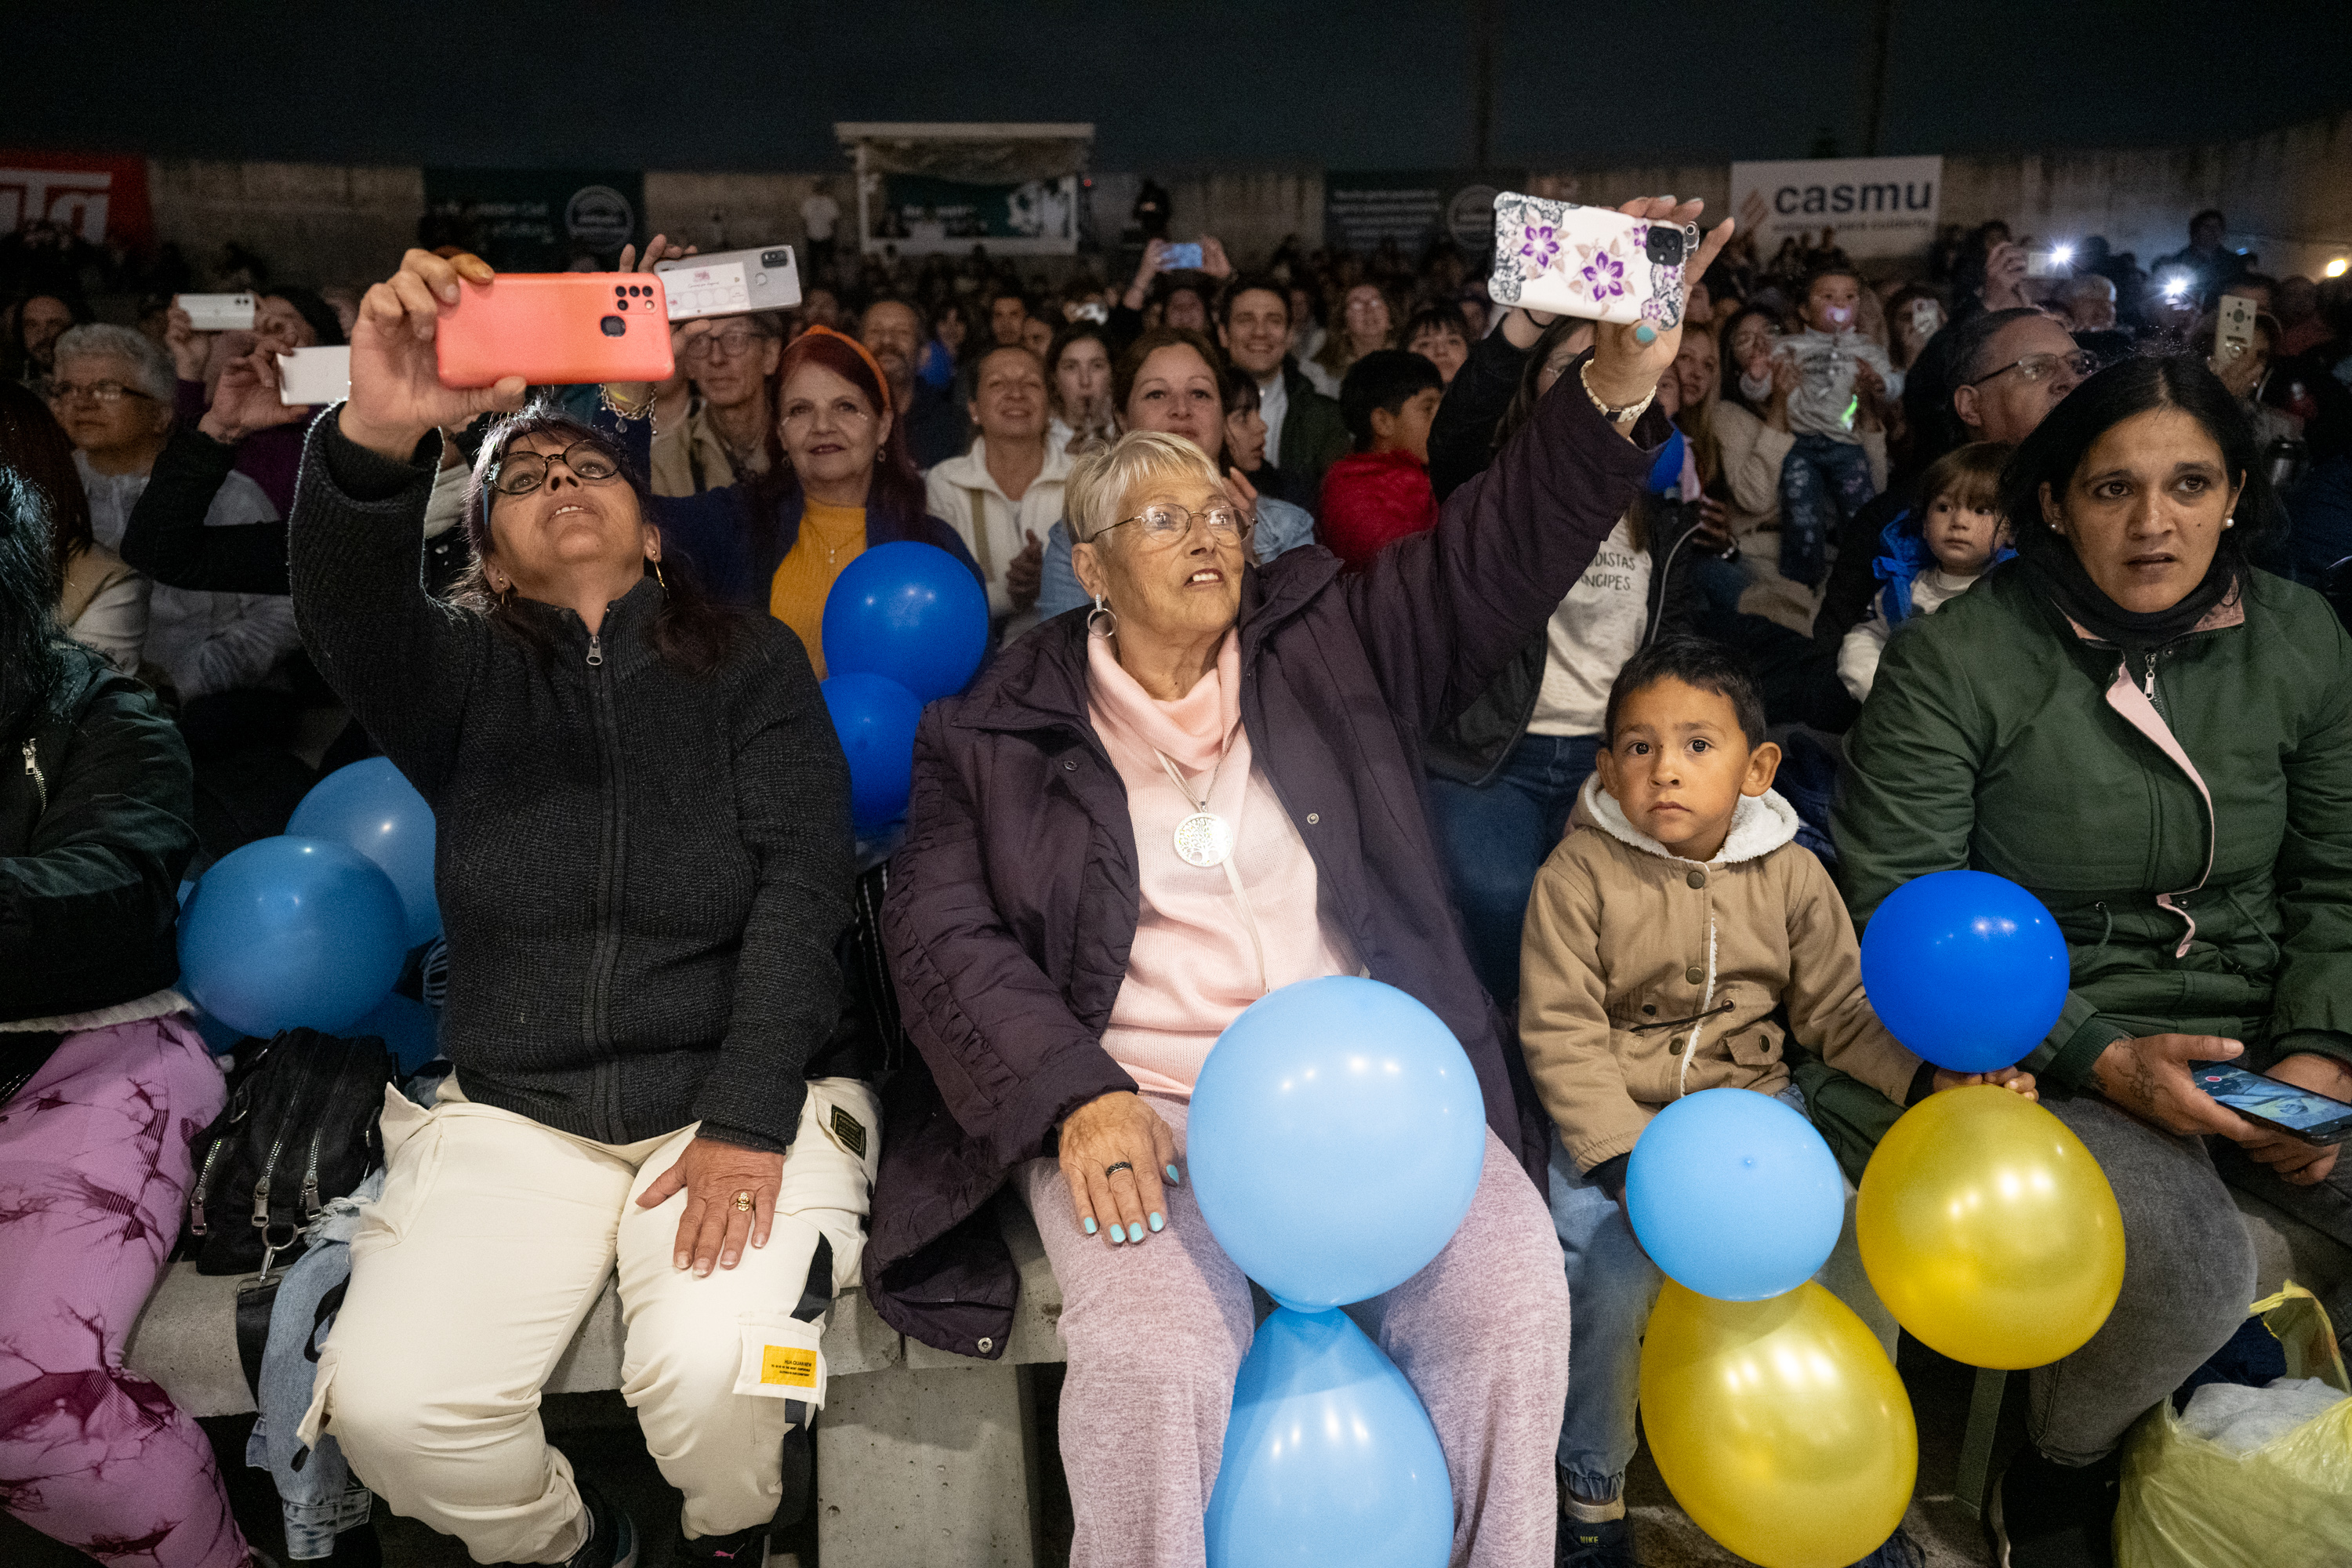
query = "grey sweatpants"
{"x": 2188, "y": 1277}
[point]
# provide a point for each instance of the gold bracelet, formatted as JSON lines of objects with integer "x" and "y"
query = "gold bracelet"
{"x": 643, "y": 410}
{"x": 1625, "y": 415}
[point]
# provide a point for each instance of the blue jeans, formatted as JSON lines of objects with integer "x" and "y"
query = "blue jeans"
{"x": 320, "y": 1494}
{"x": 1612, "y": 1286}
{"x": 1495, "y": 840}
{"x": 1823, "y": 483}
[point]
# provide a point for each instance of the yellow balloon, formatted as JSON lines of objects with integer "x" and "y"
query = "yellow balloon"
{"x": 1989, "y": 1230}
{"x": 1779, "y": 1425}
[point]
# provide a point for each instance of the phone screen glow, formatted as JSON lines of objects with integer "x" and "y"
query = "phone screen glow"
{"x": 2268, "y": 1097}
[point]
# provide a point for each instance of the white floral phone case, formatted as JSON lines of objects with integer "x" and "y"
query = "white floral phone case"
{"x": 1593, "y": 262}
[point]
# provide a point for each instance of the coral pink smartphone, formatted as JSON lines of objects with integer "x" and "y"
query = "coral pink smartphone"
{"x": 556, "y": 328}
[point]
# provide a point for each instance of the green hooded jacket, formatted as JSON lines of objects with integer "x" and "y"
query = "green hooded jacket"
{"x": 2192, "y": 834}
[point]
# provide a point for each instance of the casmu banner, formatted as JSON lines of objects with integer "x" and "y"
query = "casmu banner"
{"x": 1875, "y": 206}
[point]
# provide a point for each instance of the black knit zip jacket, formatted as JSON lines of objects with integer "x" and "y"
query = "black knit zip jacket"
{"x": 642, "y": 873}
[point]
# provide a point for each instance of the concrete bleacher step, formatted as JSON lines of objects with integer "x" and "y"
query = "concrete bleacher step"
{"x": 922, "y": 1456}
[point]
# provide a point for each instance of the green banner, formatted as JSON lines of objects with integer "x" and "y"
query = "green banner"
{"x": 536, "y": 220}
{"x": 1413, "y": 207}
{"x": 919, "y": 215}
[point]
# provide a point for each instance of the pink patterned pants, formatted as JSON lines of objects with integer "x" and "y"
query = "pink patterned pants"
{"x": 94, "y": 1163}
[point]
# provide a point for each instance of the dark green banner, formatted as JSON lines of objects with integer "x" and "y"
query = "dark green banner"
{"x": 1413, "y": 207}
{"x": 536, "y": 220}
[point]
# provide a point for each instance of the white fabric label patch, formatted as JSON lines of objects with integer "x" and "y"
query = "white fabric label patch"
{"x": 782, "y": 1360}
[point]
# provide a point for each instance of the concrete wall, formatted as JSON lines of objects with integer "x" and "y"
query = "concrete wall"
{"x": 2288, "y": 195}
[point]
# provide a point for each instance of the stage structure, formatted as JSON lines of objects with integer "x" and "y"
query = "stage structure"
{"x": 931, "y": 190}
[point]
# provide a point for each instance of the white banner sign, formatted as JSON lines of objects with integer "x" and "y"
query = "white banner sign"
{"x": 1874, "y": 206}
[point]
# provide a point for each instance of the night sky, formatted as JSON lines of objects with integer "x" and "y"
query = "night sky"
{"x": 1356, "y": 84}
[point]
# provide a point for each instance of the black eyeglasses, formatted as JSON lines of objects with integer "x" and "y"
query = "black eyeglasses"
{"x": 2033, "y": 367}
{"x": 519, "y": 473}
{"x": 1164, "y": 522}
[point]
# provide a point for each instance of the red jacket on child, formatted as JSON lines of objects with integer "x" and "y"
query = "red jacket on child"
{"x": 1371, "y": 498}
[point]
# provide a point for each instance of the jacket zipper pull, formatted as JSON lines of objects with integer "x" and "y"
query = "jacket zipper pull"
{"x": 596, "y": 648}
{"x": 33, "y": 770}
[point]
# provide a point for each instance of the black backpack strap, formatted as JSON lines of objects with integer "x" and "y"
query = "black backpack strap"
{"x": 255, "y": 1301}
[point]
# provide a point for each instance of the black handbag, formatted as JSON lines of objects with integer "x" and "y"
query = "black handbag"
{"x": 300, "y": 1129}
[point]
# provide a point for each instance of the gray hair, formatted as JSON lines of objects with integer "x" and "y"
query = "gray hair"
{"x": 1101, "y": 480}
{"x": 151, "y": 368}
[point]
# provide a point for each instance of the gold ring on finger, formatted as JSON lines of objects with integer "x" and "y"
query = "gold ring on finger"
{"x": 743, "y": 1202}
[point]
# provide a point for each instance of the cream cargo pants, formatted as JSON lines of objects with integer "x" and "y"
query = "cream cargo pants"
{"x": 493, "y": 1238}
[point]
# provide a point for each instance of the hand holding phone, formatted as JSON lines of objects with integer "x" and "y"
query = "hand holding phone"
{"x": 308, "y": 377}
{"x": 1184, "y": 258}
{"x": 556, "y": 328}
{"x": 217, "y": 312}
{"x": 2300, "y": 1113}
{"x": 1593, "y": 262}
{"x": 397, "y": 393}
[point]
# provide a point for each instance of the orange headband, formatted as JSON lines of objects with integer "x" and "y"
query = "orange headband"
{"x": 863, "y": 352}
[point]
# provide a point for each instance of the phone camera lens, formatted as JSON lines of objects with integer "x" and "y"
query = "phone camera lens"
{"x": 613, "y": 326}
{"x": 774, "y": 257}
{"x": 620, "y": 288}
{"x": 1665, "y": 245}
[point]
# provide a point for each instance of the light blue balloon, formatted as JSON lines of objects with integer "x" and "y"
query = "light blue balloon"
{"x": 1334, "y": 1140}
{"x": 1330, "y": 1456}
{"x": 406, "y": 1025}
{"x": 289, "y": 932}
{"x": 1967, "y": 969}
{"x": 369, "y": 806}
{"x": 1734, "y": 1194}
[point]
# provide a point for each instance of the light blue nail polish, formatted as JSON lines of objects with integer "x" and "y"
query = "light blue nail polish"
{"x": 1174, "y": 1177}
{"x": 1090, "y": 1227}
{"x": 1645, "y": 333}
{"x": 1157, "y": 1223}
{"x": 1118, "y": 1235}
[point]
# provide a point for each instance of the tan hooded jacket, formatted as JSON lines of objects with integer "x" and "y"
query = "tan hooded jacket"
{"x": 1644, "y": 977}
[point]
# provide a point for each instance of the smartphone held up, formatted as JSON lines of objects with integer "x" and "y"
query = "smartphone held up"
{"x": 1593, "y": 262}
{"x": 555, "y": 329}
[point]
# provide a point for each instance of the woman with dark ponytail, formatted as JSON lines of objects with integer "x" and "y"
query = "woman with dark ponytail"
{"x": 2155, "y": 738}
{"x": 102, "y": 1078}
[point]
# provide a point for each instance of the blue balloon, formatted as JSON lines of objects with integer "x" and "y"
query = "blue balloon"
{"x": 289, "y": 932}
{"x": 1965, "y": 968}
{"x": 909, "y": 612}
{"x": 875, "y": 719}
{"x": 1734, "y": 1194}
{"x": 1335, "y": 1141}
{"x": 407, "y": 1026}
{"x": 1328, "y": 1456}
{"x": 369, "y": 806}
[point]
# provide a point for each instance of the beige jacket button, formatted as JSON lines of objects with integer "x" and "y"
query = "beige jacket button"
{"x": 1313, "y": 818}
{"x": 1697, "y": 878}
{"x": 1695, "y": 975}
{"x": 987, "y": 1345}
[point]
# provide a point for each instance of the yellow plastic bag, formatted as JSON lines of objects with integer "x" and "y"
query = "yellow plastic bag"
{"x": 2190, "y": 1503}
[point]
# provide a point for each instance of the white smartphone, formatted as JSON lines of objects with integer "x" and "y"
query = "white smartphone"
{"x": 730, "y": 283}
{"x": 217, "y": 312}
{"x": 1593, "y": 262}
{"x": 2233, "y": 331}
{"x": 308, "y": 376}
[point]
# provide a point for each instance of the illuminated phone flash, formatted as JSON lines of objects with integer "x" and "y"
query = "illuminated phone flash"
{"x": 2062, "y": 255}
{"x": 2174, "y": 288}
{"x": 2335, "y": 267}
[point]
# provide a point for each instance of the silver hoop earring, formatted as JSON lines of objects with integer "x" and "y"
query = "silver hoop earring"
{"x": 1102, "y": 609}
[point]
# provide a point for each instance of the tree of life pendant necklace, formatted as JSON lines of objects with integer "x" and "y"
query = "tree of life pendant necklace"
{"x": 1203, "y": 839}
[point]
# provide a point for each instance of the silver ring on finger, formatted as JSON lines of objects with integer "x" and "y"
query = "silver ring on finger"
{"x": 1109, "y": 1171}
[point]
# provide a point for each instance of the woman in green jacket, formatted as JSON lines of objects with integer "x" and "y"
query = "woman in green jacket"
{"x": 2156, "y": 740}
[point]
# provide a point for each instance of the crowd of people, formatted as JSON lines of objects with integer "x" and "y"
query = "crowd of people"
{"x": 1591, "y": 684}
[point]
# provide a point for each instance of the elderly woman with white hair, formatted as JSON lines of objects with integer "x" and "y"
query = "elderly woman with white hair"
{"x": 112, "y": 391}
{"x": 1066, "y": 958}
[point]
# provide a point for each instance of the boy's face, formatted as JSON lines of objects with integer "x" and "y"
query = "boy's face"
{"x": 1407, "y": 429}
{"x": 1830, "y": 307}
{"x": 1679, "y": 763}
{"x": 1962, "y": 536}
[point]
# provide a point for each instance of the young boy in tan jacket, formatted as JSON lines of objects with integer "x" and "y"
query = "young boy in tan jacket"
{"x": 1668, "y": 936}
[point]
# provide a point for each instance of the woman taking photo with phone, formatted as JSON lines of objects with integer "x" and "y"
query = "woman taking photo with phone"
{"x": 837, "y": 480}
{"x": 2156, "y": 740}
{"x": 642, "y": 861}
